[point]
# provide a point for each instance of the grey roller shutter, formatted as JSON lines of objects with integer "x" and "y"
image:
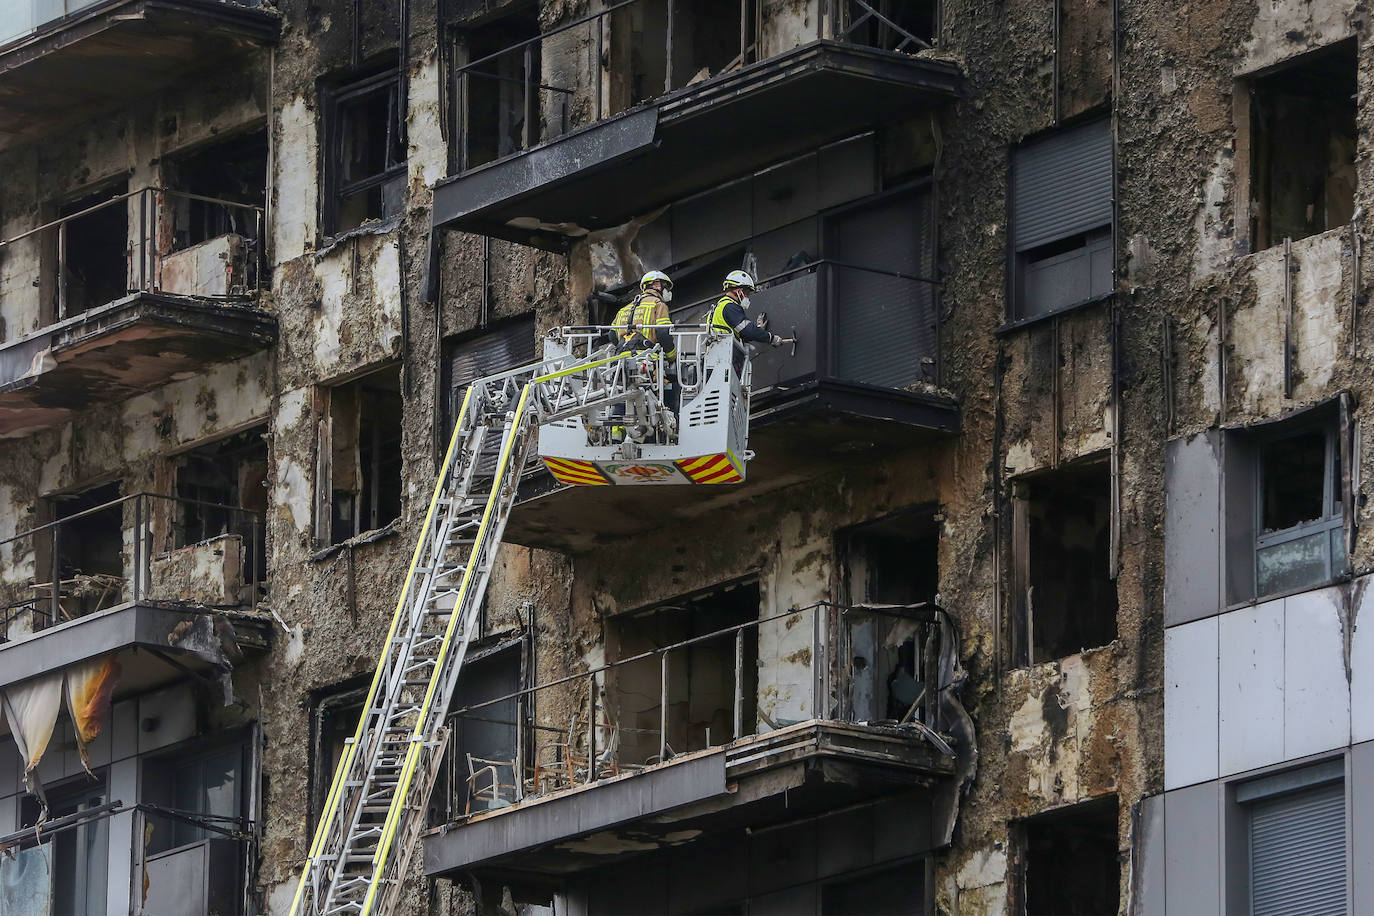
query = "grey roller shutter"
{"x": 466, "y": 360}
{"x": 884, "y": 324}
{"x": 1061, "y": 185}
{"x": 1297, "y": 853}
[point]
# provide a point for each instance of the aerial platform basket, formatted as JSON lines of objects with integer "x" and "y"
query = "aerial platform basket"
{"x": 705, "y": 442}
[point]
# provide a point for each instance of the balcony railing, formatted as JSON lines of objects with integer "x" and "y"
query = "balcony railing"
{"x": 853, "y": 323}
{"x": 155, "y": 548}
{"x": 604, "y": 736}
{"x": 180, "y": 244}
{"x": 612, "y": 45}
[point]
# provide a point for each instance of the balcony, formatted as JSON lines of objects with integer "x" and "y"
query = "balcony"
{"x": 699, "y": 739}
{"x": 167, "y": 585}
{"x": 99, "y": 55}
{"x": 133, "y": 300}
{"x": 695, "y": 134}
{"x": 859, "y": 382}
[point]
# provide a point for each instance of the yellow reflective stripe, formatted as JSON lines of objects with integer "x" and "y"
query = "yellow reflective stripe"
{"x": 346, "y": 761}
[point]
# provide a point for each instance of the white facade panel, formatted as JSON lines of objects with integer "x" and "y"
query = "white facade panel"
{"x": 1316, "y": 696}
{"x": 1190, "y": 703}
{"x": 1362, "y": 667}
{"x": 1250, "y": 690}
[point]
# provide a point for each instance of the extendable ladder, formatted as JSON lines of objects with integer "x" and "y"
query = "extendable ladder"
{"x": 374, "y": 811}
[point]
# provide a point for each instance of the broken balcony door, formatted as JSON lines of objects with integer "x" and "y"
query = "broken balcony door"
{"x": 891, "y": 561}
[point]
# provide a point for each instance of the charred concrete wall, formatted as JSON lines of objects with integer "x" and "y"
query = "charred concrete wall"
{"x": 1194, "y": 338}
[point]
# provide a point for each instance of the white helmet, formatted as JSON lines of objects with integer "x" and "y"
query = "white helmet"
{"x": 737, "y": 279}
{"x": 658, "y": 276}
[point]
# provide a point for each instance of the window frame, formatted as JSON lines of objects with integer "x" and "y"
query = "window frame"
{"x": 1333, "y": 509}
{"x": 324, "y": 534}
{"x": 1016, "y": 257}
{"x": 335, "y": 98}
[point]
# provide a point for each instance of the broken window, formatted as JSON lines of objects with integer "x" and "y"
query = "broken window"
{"x": 83, "y": 554}
{"x": 483, "y": 745}
{"x": 889, "y": 24}
{"x": 1295, "y": 837}
{"x": 499, "y": 98}
{"x": 77, "y": 859}
{"x": 233, "y": 170}
{"x": 1285, "y": 512}
{"x": 365, "y": 151}
{"x": 90, "y": 251}
{"x": 705, "y": 679}
{"x": 215, "y": 479}
{"x": 1064, "y": 597}
{"x": 333, "y": 720}
{"x": 656, "y": 56}
{"x": 359, "y": 479}
{"x": 891, "y": 561}
{"x": 1061, "y": 220}
{"x": 189, "y": 863}
{"x": 468, "y": 357}
{"x": 1071, "y": 861}
{"x": 1302, "y": 145}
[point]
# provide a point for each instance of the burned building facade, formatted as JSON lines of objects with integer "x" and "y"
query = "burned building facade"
{"x": 1042, "y": 595}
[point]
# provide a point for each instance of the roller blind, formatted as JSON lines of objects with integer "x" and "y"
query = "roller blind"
{"x": 1061, "y": 185}
{"x": 1297, "y": 853}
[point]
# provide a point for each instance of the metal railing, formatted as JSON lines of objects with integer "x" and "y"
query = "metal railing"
{"x": 510, "y": 84}
{"x": 844, "y": 318}
{"x": 591, "y": 746}
{"x": 152, "y": 234}
{"x": 155, "y": 534}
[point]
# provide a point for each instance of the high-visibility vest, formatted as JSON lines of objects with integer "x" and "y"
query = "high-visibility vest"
{"x": 633, "y": 319}
{"x": 718, "y": 322}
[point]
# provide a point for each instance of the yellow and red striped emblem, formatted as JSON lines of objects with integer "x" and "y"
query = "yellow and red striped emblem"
{"x": 710, "y": 469}
{"x": 576, "y": 473}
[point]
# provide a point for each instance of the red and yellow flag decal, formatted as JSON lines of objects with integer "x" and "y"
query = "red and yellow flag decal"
{"x": 576, "y": 473}
{"x": 710, "y": 469}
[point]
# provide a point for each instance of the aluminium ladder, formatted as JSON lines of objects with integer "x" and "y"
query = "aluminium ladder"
{"x": 374, "y": 811}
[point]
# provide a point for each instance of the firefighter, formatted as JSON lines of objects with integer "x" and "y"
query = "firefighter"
{"x": 644, "y": 321}
{"x": 729, "y": 316}
{"x": 640, "y": 325}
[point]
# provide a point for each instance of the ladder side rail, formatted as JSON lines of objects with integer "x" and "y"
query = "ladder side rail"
{"x": 309, "y": 873}
{"x": 468, "y": 602}
{"x": 377, "y": 716}
{"x": 395, "y": 705}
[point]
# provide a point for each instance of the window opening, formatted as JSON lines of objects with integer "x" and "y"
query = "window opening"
{"x": 333, "y": 721}
{"x": 483, "y": 746}
{"x": 365, "y": 449}
{"x": 1299, "y": 536}
{"x": 1065, "y": 598}
{"x": 468, "y": 357}
{"x": 208, "y": 783}
{"x": 501, "y": 97}
{"x": 229, "y": 472}
{"x": 912, "y": 19}
{"x": 365, "y": 152}
{"x": 701, "y": 677}
{"x": 233, "y": 170}
{"x": 1296, "y": 840}
{"x": 1072, "y": 861}
{"x": 891, "y": 561}
{"x": 1303, "y": 145}
{"x": 1061, "y": 219}
{"x": 77, "y": 858}
{"x": 84, "y": 554}
{"x": 708, "y": 38}
{"x": 93, "y": 260}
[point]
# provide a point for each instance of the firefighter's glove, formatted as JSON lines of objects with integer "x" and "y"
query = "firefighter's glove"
{"x": 776, "y": 341}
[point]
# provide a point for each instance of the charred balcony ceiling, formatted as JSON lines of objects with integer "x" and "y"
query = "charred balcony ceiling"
{"x": 785, "y": 775}
{"x": 693, "y": 139}
{"x": 111, "y": 353}
{"x": 814, "y": 427}
{"x": 115, "y": 52}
